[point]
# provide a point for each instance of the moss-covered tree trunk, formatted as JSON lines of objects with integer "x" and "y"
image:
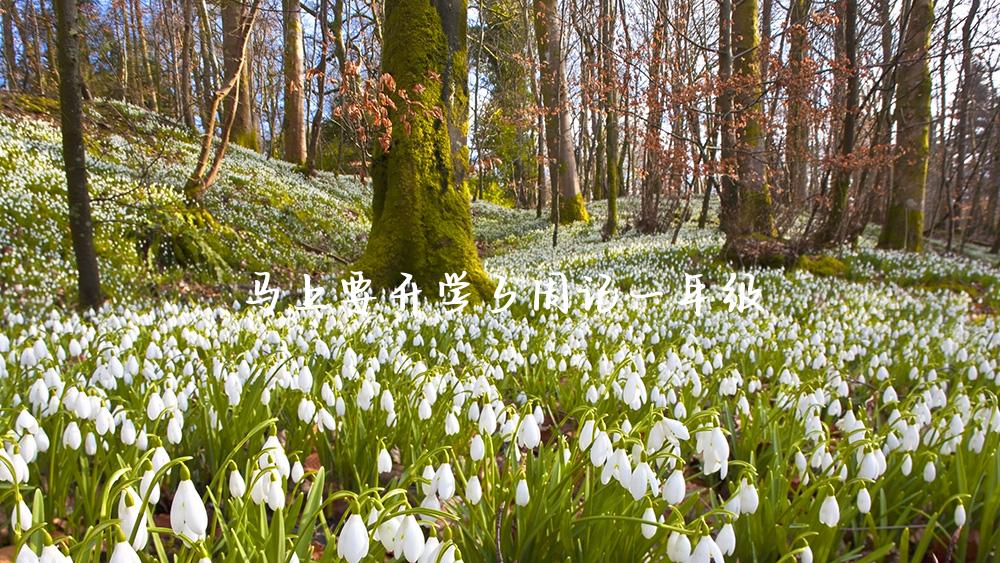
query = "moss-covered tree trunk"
{"x": 558, "y": 122}
{"x": 751, "y": 215}
{"x": 294, "y": 125}
{"x": 421, "y": 221}
{"x": 904, "y": 224}
{"x": 244, "y": 125}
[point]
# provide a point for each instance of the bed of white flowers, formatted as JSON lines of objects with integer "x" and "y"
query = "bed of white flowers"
{"x": 845, "y": 421}
{"x": 853, "y": 418}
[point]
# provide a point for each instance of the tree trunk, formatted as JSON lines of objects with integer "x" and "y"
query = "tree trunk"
{"x": 753, "y": 215}
{"x": 421, "y": 221}
{"x": 797, "y": 115}
{"x": 964, "y": 93}
{"x": 204, "y": 176}
{"x": 610, "y": 82}
{"x": 234, "y": 51}
{"x": 831, "y": 230}
{"x": 210, "y": 66}
{"x": 558, "y": 125}
{"x": 74, "y": 154}
{"x": 187, "y": 65}
{"x": 652, "y": 182}
{"x": 9, "y": 60}
{"x": 294, "y": 133}
{"x": 904, "y": 226}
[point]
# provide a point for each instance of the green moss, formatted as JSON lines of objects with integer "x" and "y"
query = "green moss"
{"x": 572, "y": 209}
{"x": 903, "y": 229}
{"x": 822, "y": 265}
{"x": 422, "y": 224}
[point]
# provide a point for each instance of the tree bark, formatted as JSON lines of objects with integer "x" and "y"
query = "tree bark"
{"x": 421, "y": 219}
{"x": 74, "y": 154}
{"x": 9, "y": 59}
{"x": 294, "y": 134}
{"x": 558, "y": 124}
{"x": 652, "y": 182}
{"x": 204, "y": 175}
{"x": 610, "y": 83}
{"x": 964, "y": 93}
{"x": 840, "y": 190}
{"x": 244, "y": 131}
{"x": 187, "y": 65}
{"x": 796, "y": 117}
{"x": 904, "y": 226}
{"x": 753, "y": 215}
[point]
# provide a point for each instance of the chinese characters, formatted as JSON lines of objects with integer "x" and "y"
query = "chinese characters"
{"x": 554, "y": 292}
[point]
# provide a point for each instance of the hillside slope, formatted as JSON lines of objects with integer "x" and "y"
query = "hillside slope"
{"x": 261, "y": 215}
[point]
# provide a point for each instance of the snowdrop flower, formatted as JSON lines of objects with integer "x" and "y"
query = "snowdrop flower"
{"x": 648, "y": 530}
{"x": 907, "y": 465}
{"x": 174, "y": 431}
{"x": 25, "y": 422}
{"x": 384, "y": 461}
{"x": 52, "y": 554}
{"x": 707, "y": 550}
{"x": 386, "y": 532}
{"x": 726, "y": 540}
{"x": 829, "y": 511}
{"x": 487, "y": 420}
{"x": 445, "y": 479}
{"x": 133, "y": 518}
{"x": 71, "y": 437}
{"x": 714, "y": 448}
{"x": 124, "y": 553}
{"x": 930, "y": 471}
{"x": 864, "y": 501}
{"x": 674, "y": 487}
{"x": 188, "y": 518}
{"x": 473, "y": 490}
{"x": 960, "y": 515}
{"x": 149, "y": 489}
{"x": 20, "y": 517}
{"x": 643, "y": 479}
{"x": 25, "y": 555}
{"x": 678, "y": 548}
{"x": 128, "y": 433}
{"x": 352, "y": 543}
{"x": 160, "y": 458}
{"x": 237, "y": 486}
{"x": 477, "y": 449}
{"x": 748, "y": 497}
{"x": 409, "y": 539}
{"x": 529, "y": 435}
{"x": 522, "y": 496}
{"x": 586, "y": 435}
{"x": 275, "y": 492}
{"x": 601, "y": 449}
